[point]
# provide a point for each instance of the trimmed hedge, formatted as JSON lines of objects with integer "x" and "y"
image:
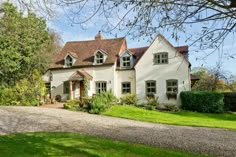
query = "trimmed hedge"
{"x": 208, "y": 102}
{"x": 230, "y": 101}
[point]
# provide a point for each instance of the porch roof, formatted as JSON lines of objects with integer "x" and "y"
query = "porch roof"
{"x": 80, "y": 75}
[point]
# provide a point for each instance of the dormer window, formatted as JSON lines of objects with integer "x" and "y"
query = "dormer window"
{"x": 99, "y": 58}
{"x": 68, "y": 61}
{"x": 126, "y": 61}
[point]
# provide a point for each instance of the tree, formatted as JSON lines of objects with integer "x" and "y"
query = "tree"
{"x": 213, "y": 79}
{"x": 144, "y": 18}
{"x": 24, "y": 44}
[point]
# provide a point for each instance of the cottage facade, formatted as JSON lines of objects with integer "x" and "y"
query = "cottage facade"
{"x": 159, "y": 70}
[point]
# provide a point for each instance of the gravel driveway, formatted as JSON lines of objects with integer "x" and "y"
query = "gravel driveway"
{"x": 219, "y": 142}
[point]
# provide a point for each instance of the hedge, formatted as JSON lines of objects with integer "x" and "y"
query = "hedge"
{"x": 230, "y": 101}
{"x": 208, "y": 102}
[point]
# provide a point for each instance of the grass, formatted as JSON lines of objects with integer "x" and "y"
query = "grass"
{"x": 75, "y": 144}
{"x": 186, "y": 118}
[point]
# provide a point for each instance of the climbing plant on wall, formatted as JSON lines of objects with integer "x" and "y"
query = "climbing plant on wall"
{"x": 85, "y": 82}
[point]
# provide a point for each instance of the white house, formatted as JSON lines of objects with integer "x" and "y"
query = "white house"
{"x": 159, "y": 70}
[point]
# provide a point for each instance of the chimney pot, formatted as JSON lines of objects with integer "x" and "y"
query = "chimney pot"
{"x": 99, "y": 36}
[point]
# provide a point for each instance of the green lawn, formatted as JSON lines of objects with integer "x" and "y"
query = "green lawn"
{"x": 75, "y": 144}
{"x": 227, "y": 120}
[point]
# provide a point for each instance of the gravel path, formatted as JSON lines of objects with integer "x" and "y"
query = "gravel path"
{"x": 219, "y": 142}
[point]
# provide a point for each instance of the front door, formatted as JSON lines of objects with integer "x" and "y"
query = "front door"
{"x": 81, "y": 87}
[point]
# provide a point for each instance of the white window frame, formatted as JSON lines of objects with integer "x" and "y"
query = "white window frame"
{"x": 160, "y": 58}
{"x": 99, "y": 58}
{"x": 68, "y": 61}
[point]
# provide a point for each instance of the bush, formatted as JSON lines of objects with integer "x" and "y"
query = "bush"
{"x": 7, "y": 97}
{"x": 152, "y": 103}
{"x": 109, "y": 97}
{"x": 230, "y": 101}
{"x": 129, "y": 99}
{"x": 71, "y": 104}
{"x": 209, "y": 102}
{"x": 171, "y": 107}
{"x": 101, "y": 102}
{"x": 96, "y": 104}
{"x": 27, "y": 92}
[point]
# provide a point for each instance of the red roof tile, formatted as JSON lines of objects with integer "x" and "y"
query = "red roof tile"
{"x": 80, "y": 74}
{"x": 138, "y": 52}
{"x": 84, "y": 50}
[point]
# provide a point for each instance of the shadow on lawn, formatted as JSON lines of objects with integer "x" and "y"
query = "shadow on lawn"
{"x": 40, "y": 144}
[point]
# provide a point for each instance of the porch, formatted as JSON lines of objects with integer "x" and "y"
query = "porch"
{"x": 78, "y": 84}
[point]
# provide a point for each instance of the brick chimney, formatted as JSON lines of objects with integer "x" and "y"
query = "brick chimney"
{"x": 99, "y": 36}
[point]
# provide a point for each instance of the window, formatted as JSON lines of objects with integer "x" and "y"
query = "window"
{"x": 172, "y": 86}
{"x": 126, "y": 61}
{"x": 150, "y": 88}
{"x": 126, "y": 87}
{"x": 101, "y": 87}
{"x": 160, "y": 58}
{"x": 66, "y": 87}
{"x": 68, "y": 61}
{"x": 99, "y": 58}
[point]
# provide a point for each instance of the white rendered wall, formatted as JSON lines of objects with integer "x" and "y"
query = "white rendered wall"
{"x": 102, "y": 73}
{"x": 46, "y": 76}
{"x": 177, "y": 68}
{"x": 125, "y": 76}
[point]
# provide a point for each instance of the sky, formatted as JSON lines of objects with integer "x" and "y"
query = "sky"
{"x": 73, "y": 32}
{"x": 61, "y": 24}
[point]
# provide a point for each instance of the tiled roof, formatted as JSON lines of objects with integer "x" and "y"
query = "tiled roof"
{"x": 84, "y": 50}
{"x": 182, "y": 49}
{"x": 80, "y": 74}
{"x": 193, "y": 77}
{"x": 138, "y": 52}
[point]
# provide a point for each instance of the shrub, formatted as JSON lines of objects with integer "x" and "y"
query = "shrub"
{"x": 209, "y": 102}
{"x": 171, "y": 107}
{"x": 230, "y": 101}
{"x": 27, "y": 92}
{"x": 71, "y": 104}
{"x": 7, "y": 97}
{"x": 129, "y": 99}
{"x": 109, "y": 97}
{"x": 101, "y": 102}
{"x": 98, "y": 103}
{"x": 152, "y": 103}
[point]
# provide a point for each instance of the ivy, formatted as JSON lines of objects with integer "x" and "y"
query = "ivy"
{"x": 85, "y": 83}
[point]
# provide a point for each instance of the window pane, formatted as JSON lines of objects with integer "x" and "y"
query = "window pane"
{"x": 150, "y": 87}
{"x": 160, "y": 58}
{"x": 66, "y": 87}
{"x": 126, "y": 87}
{"x": 172, "y": 86}
{"x": 100, "y": 87}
